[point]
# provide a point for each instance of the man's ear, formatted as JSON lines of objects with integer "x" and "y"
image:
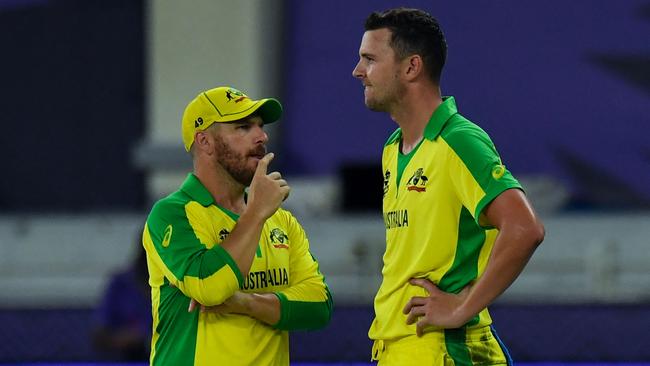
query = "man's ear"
{"x": 202, "y": 141}
{"x": 413, "y": 67}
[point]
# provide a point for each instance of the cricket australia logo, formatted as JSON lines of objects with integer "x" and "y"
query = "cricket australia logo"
{"x": 418, "y": 181}
{"x": 279, "y": 239}
{"x": 236, "y": 95}
{"x": 223, "y": 234}
{"x": 386, "y": 181}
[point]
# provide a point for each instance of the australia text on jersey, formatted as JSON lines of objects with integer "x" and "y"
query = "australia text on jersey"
{"x": 266, "y": 278}
{"x": 398, "y": 218}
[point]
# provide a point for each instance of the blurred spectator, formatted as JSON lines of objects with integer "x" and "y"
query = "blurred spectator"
{"x": 122, "y": 329}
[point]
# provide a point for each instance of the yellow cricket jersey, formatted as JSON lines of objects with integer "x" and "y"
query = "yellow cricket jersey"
{"x": 182, "y": 236}
{"x": 433, "y": 198}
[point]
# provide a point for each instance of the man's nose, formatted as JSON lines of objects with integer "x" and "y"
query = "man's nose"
{"x": 357, "y": 71}
{"x": 262, "y": 136}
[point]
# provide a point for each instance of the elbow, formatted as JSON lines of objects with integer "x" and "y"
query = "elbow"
{"x": 325, "y": 316}
{"x": 321, "y": 319}
{"x": 529, "y": 234}
{"x": 215, "y": 299}
{"x": 324, "y": 322}
{"x": 210, "y": 291}
{"x": 215, "y": 294}
{"x": 536, "y": 233}
{"x": 330, "y": 309}
{"x": 207, "y": 297}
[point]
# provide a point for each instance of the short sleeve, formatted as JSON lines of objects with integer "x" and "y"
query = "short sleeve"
{"x": 475, "y": 169}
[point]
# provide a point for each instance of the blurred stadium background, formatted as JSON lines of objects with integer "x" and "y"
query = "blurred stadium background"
{"x": 91, "y": 99}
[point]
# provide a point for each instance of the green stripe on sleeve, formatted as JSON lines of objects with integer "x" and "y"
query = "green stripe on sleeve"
{"x": 177, "y": 244}
{"x": 179, "y": 247}
{"x": 475, "y": 149}
{"x": 303, "y": 315}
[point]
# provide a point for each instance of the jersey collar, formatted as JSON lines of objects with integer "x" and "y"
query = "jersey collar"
{"x": 195, "y": 189}
{"x": 437, "y": 121}
{"x": 440, "y": 116}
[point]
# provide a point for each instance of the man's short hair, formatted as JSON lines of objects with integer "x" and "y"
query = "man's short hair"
{"x": 413, "y": 32}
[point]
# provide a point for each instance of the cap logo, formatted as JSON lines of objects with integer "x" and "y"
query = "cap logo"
{"x": 198, "y": 122}
{"x": 234, "y": 94}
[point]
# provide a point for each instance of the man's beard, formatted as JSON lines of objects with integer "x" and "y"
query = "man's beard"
{"x": 236, "y": 163}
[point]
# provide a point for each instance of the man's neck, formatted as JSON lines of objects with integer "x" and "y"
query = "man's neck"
{"x": 413, "y": 114}
{"x": 226, "y": 192}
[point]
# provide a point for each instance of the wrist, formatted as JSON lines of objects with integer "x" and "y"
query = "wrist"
{"x": 252, "y": 217}
{"x": 463, "y": 313}
{"x": 247, "y": 303}
{"x": 264, "y": 307}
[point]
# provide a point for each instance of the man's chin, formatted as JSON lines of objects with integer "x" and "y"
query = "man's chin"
{"x": 244, "y": 176}
{"x": 375, "y": 107}
{"x": 246, "y": 181}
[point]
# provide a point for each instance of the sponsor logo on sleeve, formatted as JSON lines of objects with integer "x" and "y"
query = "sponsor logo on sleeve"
{"x": 498, "y": 171}
{"x": 167, "y": 236}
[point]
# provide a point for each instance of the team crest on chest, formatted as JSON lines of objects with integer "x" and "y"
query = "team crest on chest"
{"x": 386, "y": 181}
{"x": 279, "y": 239}
{"x": 418, "y": 181}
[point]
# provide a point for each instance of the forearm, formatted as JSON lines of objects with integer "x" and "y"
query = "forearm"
{"x": 242, "y": 242}
{"x": 264, "y": 307}
{"x": 278, "y": 311}
{"x": 265, "y": 194}
{"x": 512, "y": 250}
